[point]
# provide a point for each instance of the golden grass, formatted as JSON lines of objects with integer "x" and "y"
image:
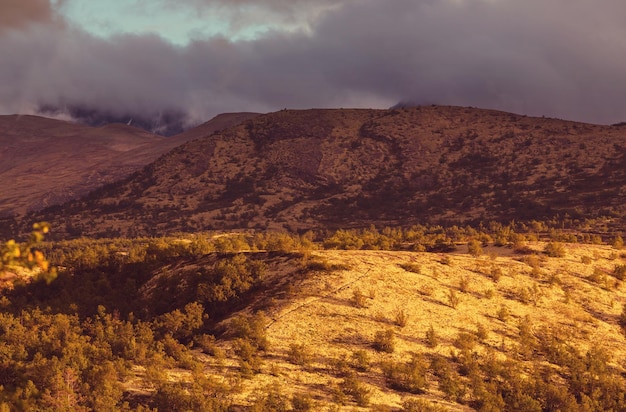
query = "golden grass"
{"x": 321, "y": 317}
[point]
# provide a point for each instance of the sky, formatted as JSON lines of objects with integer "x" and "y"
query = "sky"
{"x": 555, "y": 58}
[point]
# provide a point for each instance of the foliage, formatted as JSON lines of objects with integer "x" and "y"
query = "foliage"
{"x": 384, "y": 341}
{"x": 406, "y": 377}
{"x": 16, "y": 256}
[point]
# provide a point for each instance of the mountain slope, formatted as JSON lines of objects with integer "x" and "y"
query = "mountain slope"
{"x": 44, "y": 162}
{"x": 338, "y": 168}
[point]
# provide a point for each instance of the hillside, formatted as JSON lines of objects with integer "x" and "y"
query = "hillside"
{"x": 343, "y": 168}
{"x": 211, "y": 322}
{"x": 44, "y": 162}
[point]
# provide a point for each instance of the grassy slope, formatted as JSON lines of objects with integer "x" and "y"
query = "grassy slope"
{"x": 320, "y": 314}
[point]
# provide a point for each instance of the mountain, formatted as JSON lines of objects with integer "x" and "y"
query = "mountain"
{"x": 307, "y": 169}
{"x": 44, "y": 162}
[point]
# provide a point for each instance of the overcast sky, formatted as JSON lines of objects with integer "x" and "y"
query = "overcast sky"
{"x": 558, "y": 58}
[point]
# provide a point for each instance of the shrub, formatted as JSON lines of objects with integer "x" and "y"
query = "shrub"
{"x": 406, "y": 377}
{"x": 354, "y": 388}
{"x": 384, "y": 341}
{"x": 619, "y": 272}
{"x": 358, "y": 298}
{"x": 495, "y": 273}
{"x": 453, "y": 299}
{"x": 585, "y": 260}
{"x": 464, "y": 284}
{"x": 503, "y": 313}
{"x": 432, "y": 340}
{"x": 555, "y": 249}
{"x": 465, "y": 341}
{"x": 361, "y": 360}
{"x": 302, "y": 402}
{"x": 474, "y": 248}
{"x": 299, "y": 354}
{"x": 421, "y": 405}
{"x": 401, "y": 318}
{"x": 411, "y": 267}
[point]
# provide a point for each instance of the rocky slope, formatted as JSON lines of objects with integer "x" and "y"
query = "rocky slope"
{"x": 338, "y": 168}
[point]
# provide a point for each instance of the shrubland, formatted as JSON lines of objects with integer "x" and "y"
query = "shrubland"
{"x": 196, "y": 322}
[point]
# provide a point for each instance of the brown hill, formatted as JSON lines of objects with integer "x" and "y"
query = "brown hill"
{"x": 339, "y": 168}
{"x": 44, "y": 162}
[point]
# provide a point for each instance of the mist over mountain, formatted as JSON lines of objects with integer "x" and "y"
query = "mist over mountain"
{"x": 164, "y": 123}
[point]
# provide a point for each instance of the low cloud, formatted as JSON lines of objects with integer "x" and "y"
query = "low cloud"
{"x": 563, "y": 58}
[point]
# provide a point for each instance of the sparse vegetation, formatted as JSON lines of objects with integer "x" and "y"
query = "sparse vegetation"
{"x": 156, "y": 304}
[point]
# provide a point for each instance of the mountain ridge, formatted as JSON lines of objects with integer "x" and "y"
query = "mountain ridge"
{"x": 45, "y": 161}
{"x": 330, "y": 168}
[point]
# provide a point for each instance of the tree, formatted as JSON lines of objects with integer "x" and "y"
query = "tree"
{"x": 14, "y": 255}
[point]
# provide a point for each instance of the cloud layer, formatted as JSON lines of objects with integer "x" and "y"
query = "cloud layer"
{"x": 561, "y": 58}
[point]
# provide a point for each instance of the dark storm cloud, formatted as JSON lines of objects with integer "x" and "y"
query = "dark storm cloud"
{"x": 563, "y": 58}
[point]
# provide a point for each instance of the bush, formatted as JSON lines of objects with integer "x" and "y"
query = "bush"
{"x": 503, "y": 313}
{"x": 411, "y": 267}
{"x": 432, "y": 340}
{"x": 619, "y": 272}
{"x": 555, "y": 249}
{"x": 302, "y": 402}
{"x": 361, "y": 360}
{"x": 465, "y": 341}
{"x": 358, "y": 298}
{"x": 354, "y": 388}
{"x": 299, "y": 354}
{"x": 251, "y": 328}
{"x": 406, "y": 377}
{"x": 474, "y": 248}
{"x": 421, "y": 405}
{"x": 401, "y": 318}
{"x": 384, "y": 341}
{"x": 453, "y": 299}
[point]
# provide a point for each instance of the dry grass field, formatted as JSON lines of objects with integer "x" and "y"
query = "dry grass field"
{"x": 499, "y": 305}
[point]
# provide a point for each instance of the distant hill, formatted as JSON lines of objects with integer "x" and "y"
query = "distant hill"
{"x": 45, "y": 162}
{"x": 343, "y": 168}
